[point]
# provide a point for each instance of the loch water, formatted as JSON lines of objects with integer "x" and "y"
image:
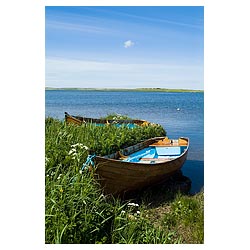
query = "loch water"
{"x": 180, "y": 113}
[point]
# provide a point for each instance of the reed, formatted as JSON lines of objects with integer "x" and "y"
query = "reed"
{"x": 76, "y": 211}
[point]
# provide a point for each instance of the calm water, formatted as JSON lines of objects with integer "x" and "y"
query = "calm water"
{"x": 160, "y": 108}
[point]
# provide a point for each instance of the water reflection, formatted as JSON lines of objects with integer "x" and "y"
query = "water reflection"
{"x": 194, "y": 169}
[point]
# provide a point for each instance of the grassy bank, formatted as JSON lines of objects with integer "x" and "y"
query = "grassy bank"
{"x": 127, "y": 90}
{"x": 78, "y": 212}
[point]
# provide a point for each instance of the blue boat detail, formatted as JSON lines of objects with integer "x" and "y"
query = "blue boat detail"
{"x": 154, "y": 152}
{"x": 169, "y": 151}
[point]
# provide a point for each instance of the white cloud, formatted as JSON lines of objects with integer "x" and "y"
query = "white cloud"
{"x": 128, "y": 44}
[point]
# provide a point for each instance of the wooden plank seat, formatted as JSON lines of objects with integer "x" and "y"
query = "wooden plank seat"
{"x": 156, "y": 159}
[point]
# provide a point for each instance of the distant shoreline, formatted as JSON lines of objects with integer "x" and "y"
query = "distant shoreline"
{"x": 128, "y": 90}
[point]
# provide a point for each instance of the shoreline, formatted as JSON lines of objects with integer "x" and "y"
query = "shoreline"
{"x": 129, "y": 90}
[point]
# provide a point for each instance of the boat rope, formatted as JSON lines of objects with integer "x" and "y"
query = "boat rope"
{"x": 89, "y": 162}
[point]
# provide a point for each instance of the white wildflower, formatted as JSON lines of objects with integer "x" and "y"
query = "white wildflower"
{"x": 59, "y": 176}
{"x": 46, "y": 160}
{"x": 72, "y": 151}
{"x": 133, "y": 204}
{"x": 79, "y": 145}
{"x": 138, "y": 212}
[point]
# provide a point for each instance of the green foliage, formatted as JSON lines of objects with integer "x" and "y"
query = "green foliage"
{"x": 102, "y": 139}
{"x": 187, "y": 215}
{"x": 76, "y": 211}
{"x": 134, "y": 228}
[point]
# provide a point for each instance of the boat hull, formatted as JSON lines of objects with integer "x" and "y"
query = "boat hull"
{"x": 78, "y": 120}
{"x": 119, "y": 177}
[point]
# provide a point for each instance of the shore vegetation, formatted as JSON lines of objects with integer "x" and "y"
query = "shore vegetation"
{"x": 77, "y": 212}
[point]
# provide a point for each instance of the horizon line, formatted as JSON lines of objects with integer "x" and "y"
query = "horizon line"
{"x": 140, "y": 88}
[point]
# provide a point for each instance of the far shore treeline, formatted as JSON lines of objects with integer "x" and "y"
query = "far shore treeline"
{"x": 124, "y": 89}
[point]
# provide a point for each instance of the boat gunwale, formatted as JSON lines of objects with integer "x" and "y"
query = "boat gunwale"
{"x": 94, "y": 120}
{"x": 83, "y": 120}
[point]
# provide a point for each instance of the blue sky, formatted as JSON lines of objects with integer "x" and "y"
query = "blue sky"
{"x": 124, "y": 47}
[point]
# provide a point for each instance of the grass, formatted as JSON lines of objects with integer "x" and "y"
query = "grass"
{"x": 76, "y": 211}
{"x": 184, "y": 215}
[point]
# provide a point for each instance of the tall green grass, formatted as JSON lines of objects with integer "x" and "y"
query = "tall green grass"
{"x": 76, "y": 211}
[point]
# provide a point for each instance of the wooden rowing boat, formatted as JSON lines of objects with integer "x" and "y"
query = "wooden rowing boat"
{"x": 79, "y": 120}
{"x": 144, "y": 164}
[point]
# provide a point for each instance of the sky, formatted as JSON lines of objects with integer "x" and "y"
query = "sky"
{"x": 124, "y": 47}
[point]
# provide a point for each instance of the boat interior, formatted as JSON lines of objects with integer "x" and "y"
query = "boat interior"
{"x": 160, "y": 151}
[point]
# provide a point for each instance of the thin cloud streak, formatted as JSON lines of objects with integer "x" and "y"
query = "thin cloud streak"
{"x": 195, "y": 26}
{"x": 76, "y": 27}
{"x": 76, "y": 65}
{"x": 77, "y": 73}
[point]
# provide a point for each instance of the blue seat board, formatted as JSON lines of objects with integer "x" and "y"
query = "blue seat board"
{"x": 168, "y": 150}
